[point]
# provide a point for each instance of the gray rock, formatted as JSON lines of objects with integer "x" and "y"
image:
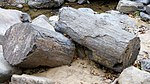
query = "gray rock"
{"x": 144, "y": 1}
{"x": 71, "y": 0}
{"x": 29, "y": 79}
{"x": 8, "y": 18}
{"x": 148, "y": 9}
{"x": 26, "y": 45}
{"x": 6, "y": 70}
{"x": 19, "y": 1}
{"x": 145, "y": 64}
{"x": 103, "y": 34}
{"x": 19, "y": 6}
{"x": 45, "y": 3}
{"x": 133, "y": 75}
{"x": 144, "y": 16}
{"x": 1, "y": 39}
{"x": 53, "y": 20}
{"x": 127, "y": 6}
{"x": 25, "y": 17}
{"x": 83, "y": 1}
{"x": 43, "y": 21}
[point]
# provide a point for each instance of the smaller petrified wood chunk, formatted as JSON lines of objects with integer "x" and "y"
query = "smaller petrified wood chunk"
{"x": 29, "y": 46}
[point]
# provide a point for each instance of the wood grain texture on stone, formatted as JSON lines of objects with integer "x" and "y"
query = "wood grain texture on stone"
{"x": 29, "y": 46}
{"x": 104, "y": 34}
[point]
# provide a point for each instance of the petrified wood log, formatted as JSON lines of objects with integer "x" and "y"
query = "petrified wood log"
{"x": 26, "y": 45}
{"x": 103, "y": 34}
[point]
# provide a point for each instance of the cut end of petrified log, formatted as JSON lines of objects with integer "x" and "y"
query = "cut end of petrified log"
{"x": 30, "y": 46}
{"x": 18, "y": 42}
{"x": 131, "y": 52}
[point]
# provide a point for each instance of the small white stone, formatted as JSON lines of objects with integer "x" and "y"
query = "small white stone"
{"x": 19, "y": 6}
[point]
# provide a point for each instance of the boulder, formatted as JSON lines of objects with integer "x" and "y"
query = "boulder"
{"x": 29, "y": 79}
{"x": 45, "y": 3}
{"x": 134, "y": 75}
{"x": 148, "y": 9}
{"x": 6, "y": 70}
{"x": 105, "y": 35}
{"x": 144, "y": 1}
{"x": 10, "y": 17}
{"x": 42, "y": 21}
{"x": 28, "y": 46}
{"x": 144, "y": 16}
{"x": 127, "y": 6}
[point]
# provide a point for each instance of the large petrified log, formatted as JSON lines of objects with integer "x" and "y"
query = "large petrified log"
{"x": 26, "y": 45}
{"x": 103, "y": 34}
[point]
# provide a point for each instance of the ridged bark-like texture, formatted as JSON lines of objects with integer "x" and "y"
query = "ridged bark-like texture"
{"x": 104, "y": 34}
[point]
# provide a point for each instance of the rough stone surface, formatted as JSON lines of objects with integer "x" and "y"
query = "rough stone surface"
{"x": 144, "y": 1}
{"x": 148, "y": 9}
{"x": 83, "y": 1}
{"x": 8, "y": 18}
{"x": 42, "y": 21}
{"x": 71, "y": 0}
{"x": 6, "y": 70}
{"x": 104, "y": 34}
{"x": 28, "y": 79}
{"x": 53, "y": 20}
{"x": 1, "y": 39}
{"x": 127, "y": 6}
{"x": 45, "y": 3}
{"x": 144, "y": 16}
{"x": 133, "y": 75}
{"x": 145, "y": 64}
{"x": 29, "y": 46}
{"x": 87, "y": 10}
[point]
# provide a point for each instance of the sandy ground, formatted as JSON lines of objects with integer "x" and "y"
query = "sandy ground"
{"x": 80, "y": 72}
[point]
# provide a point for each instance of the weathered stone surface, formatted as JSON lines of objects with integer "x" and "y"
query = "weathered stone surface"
{"x": 42, "y": 21}
{"x": 144, "y": 16}
{"x": 145, "y": 64}
{"x": 29, "y": 46}
{"x": 6, "y": 70}
{"x": 25, "y": 17}
{"x": 87, "y": 10}
{"x": 1, "y": 39}
{"x": 45, "y": 3}
{"x": 83, "y": 1}
{"x": 71, "y": 0}
{"x": 144, "y": 1}
{"x": 53, "y": 19}
{"x": 133, "y": 75}
{"x": 28, "y": 79}
{"x": 103, "y": 34}
{"x": 127, "y": 6}
{"x": 148, "y": 9}
{"x": 9, "y": 18}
